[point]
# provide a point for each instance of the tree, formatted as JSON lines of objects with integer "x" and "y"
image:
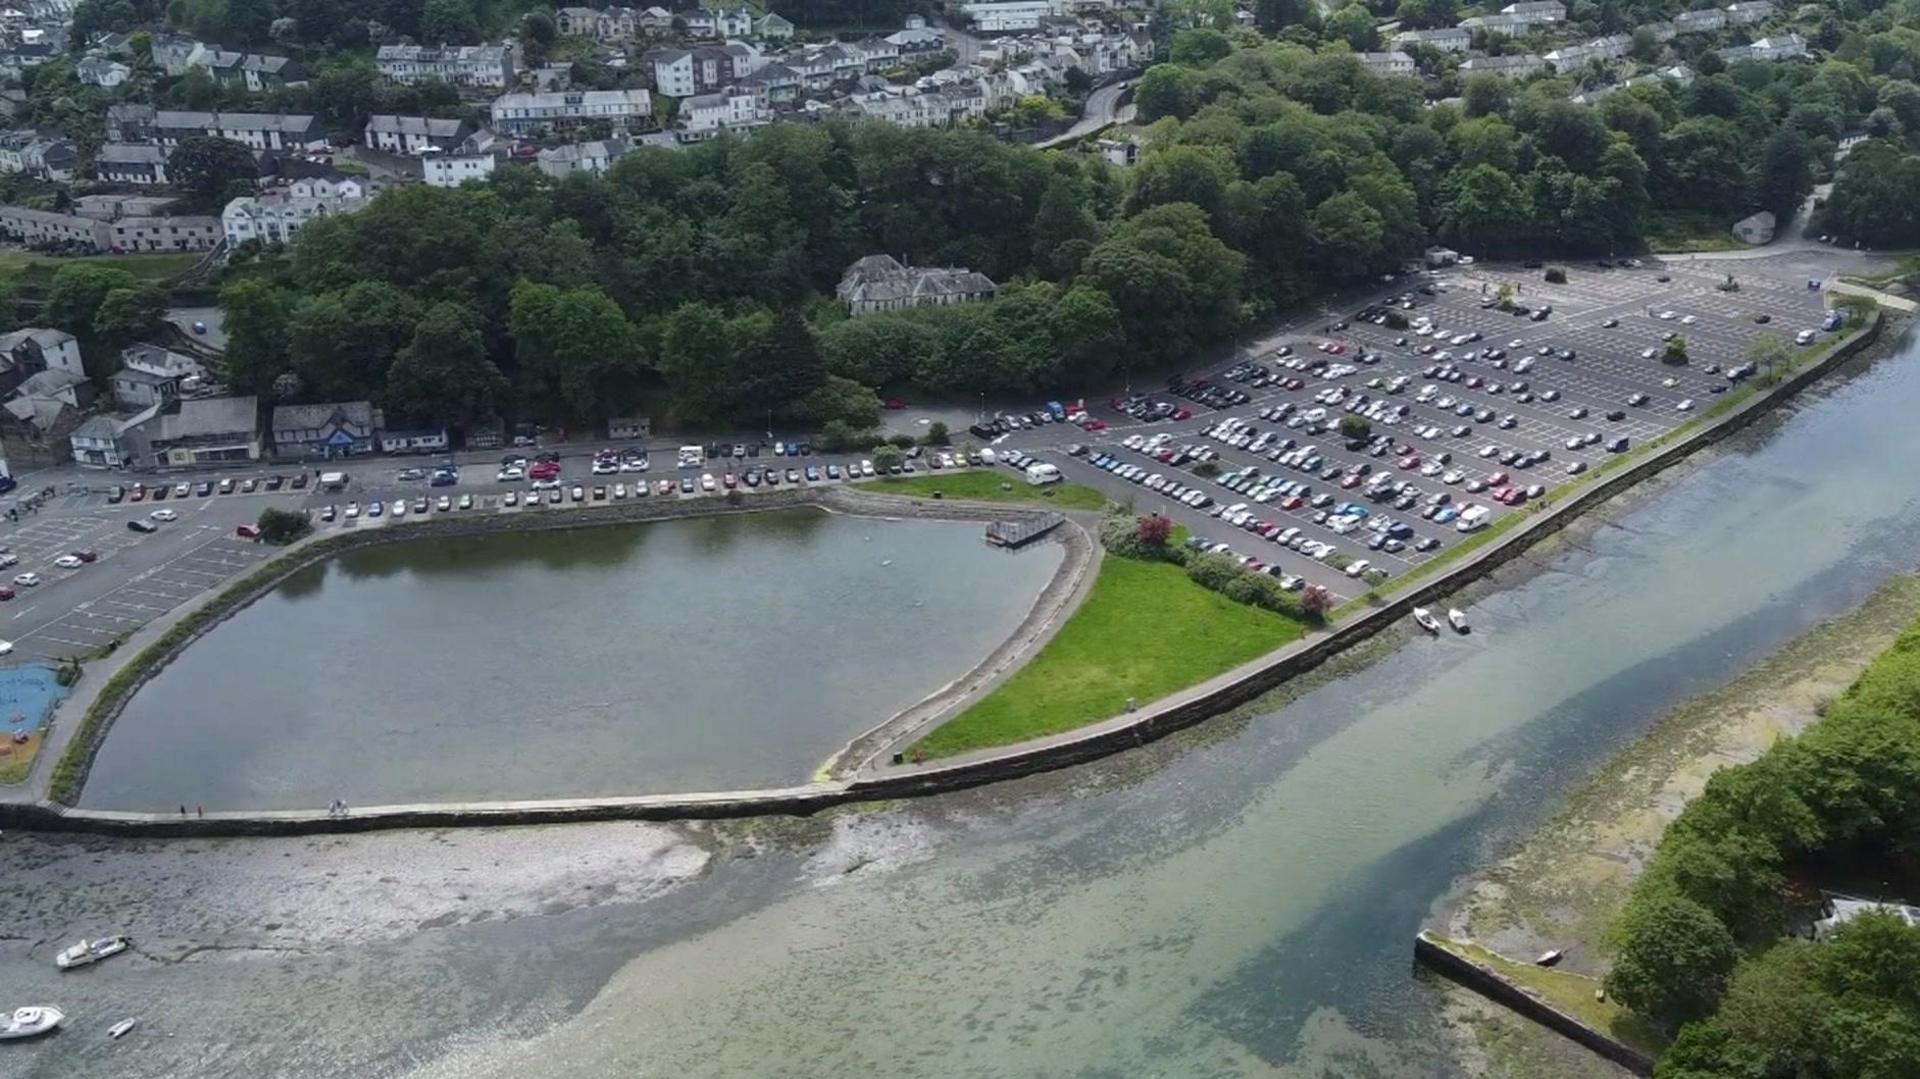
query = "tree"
{"x": 1675, "y": 352}
{"x": 1356, "y": 24}
{"x": 1200, "y": 47}
{"x": 281, "y": 527}
{"x": 1035, "y": 110}
{"x": 1355, "y": 427}
{"x": 1771, "y": 355}
{"x": 444, "y": 375}
{"x": 449, "y": 22}
{"x": 578, "y": 355}
{"x": 128, "y": 313}
{"x": 1063, "y": 231}
{"x": 1166, "y": 90}
{"x": 1674, "y": 960}
{"x": 78, "y": 291}
{"x": 844, "y": 401}
{"x": 1488, "y": 211}
{"x": 211, "y": 168}
{"x": 887, "y": 459}
{"x": 1273, "y": 16}
{"x": 937, "y": 434}
{"x": 1316, "y": 603}
{"x": 254, "y": 316}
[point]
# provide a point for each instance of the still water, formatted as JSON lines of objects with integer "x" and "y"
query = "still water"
{"x": 711, "y": 653}
{"x": 1237, "y": 901}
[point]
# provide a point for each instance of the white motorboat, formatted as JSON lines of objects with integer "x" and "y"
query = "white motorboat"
{"x": 120, "y": 1029}
{"x": 88, "y": 952}
{"x": 1549, "y": 958}
{"x": 1426, "y": 620}
{"x": 1457, "y": 618}
{"x": 30, "y": 1021}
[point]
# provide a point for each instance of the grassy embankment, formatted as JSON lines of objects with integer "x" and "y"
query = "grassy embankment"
{"x": 1685, "y": 231}
{"x": 987, "y": 486}
{"x": 29, "y": 268}
{"x": 1144, "y": 631}
{"x": 1567, "y": 881}
{"x": 1571, "y": 993}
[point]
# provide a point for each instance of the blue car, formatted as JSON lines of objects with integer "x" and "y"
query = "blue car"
{"x": 1446, "y": 516}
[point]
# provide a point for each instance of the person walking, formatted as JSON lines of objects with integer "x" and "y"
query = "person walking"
{"x": 200, "y": 811}
{"x": 183, "y": 809}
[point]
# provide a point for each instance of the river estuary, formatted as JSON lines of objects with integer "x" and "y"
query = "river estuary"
{"x": 1235, "y": 901}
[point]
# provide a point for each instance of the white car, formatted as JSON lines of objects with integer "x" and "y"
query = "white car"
{"x": 399, "y": 507}
{"x": 1667, "y": 316}
{"x": 26, "y": 580}
{"x": 1686, "y": 405}
{"x": 866, "y": 467}
{"x": 6, "y": 648}
{"x": 1688, "y": 320}
{"x": 163, "y": 515}
{"x": 68, "y": 561}
{"x": 510, "y": 475}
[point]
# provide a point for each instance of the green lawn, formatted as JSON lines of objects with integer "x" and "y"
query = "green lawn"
{"x": 1144, "y": 632}
{"x": 988, "y": 486}
{"x": 1680, "y": 231}
{"x": 38, "y": 269}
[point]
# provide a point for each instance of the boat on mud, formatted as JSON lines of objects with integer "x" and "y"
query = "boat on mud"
{"x": 30, "y": 1021}
{"x": 88, "y": 952}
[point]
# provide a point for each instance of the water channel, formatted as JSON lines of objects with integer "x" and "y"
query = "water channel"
{"x": 703, "y": 654}
{"x": 1236, "y": 901}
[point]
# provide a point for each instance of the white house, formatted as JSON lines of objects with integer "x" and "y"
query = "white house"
{"x": 592, "y": 157}
{"x": 1747, "y": 12}
{"x": 1700, "y": 22}
{"x": 1546, "y": 11}
{"x": 704, "y": 116}
{"x": 452, "y": 170}
{"x": 413, "y": 134}
{"x": 1767, "y": 49}
{"x": 277, "y": 215}
{"x": 167, "y": 233}
{"x": 520, "y": 113}
{"x": 257, "y": 130}
{"x": 1387, "y": 63}
{"x": 880, "y": 283}
{"x": 1008, "y": 16}
{"x": 1447, "y": 39}
{"x": 1568, "y": 57}
{"x": 1517, "y": 66}
{"x": 483, "y": 67}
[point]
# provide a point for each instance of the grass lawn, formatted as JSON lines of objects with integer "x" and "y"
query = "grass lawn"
{"x": 32, "y": 268}
{"x": 987, "y": 486}
{"x": 1680, "y": 231}
{"x": 1144, "y": 631}
{"x": 1569, "y": 992}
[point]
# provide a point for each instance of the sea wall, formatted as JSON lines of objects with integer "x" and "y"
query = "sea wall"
{"x": 1498, "y": 988}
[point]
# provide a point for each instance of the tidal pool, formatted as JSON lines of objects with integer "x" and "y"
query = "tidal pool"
{"x": 712, "y": 653}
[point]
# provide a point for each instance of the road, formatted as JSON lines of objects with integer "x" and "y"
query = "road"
{"x": 1103, "y": 108}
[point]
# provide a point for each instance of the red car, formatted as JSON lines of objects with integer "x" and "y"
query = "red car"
{"x": 247, "y": 532}
{"x": 1178, "y": 414}
{"x": 139, "y": 493}
{"x": 1295, "y": 384}
{"x": 895, "y": 404}
{"x": 1411, "y": 460}
{"x": 1498, "y": 479}
{"x": 1350, "y": 482}
{"x": 6, "y": 591}
{"x": 1474, "y": 382}
{"x": 1336, "y": 348}
{"x": 1293, "y": 502}
{"x": 1095, "y": 425}
{"x": 730, "y": 481}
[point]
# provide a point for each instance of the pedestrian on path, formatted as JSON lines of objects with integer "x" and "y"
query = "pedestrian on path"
{"x": 200, "y": 811}
{"x": 183, "y": 809}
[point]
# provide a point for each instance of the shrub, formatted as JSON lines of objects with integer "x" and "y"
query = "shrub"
{"x": 1212, "y": 571}
{"x": 1207, "y": 470}
{"x": 1316, "y": 603}
{"x": 937, "y": 434}
{"x": 1676, "y": 351}
{"x": 837, "y": 436}
{"x": 1355, "y": 426}
{"x": 1154, "y": 530}
{"x": 281, "y": 527}
{"x": 1556, "y": 275}
{"x": 905, "y": 442}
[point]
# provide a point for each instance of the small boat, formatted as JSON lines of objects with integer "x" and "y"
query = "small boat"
{"x": 88, "y": 952}
{"x": 30, "y": 1021}
{"x": 1549, "y": 958}
{"x": 1426, "y": 620}
{"x": 120, "y": 1029}
{"x": 1457, "y": 618}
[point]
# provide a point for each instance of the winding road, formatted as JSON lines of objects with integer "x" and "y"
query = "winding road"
{"x": 1103, "y": 108}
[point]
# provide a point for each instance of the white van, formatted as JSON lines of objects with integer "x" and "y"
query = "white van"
{"x": 1042, "y": 474}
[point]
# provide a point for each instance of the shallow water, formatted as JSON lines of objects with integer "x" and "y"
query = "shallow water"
{"x": 710, "y": 653}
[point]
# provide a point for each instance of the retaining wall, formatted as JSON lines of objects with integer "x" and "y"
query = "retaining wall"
{"x": 1097, "y": 740}
{"x": 1498, "y": 988}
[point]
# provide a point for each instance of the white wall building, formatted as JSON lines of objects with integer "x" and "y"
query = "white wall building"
{"x": 523, "y": 112}
{"x": 276, "y": 216}
{"x": 452, "y": 170}
{"x": 482, "y": 67}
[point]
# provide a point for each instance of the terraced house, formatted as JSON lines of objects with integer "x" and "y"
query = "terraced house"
{"x": 521, "y": 113}
{"x": 478, "y": 67}
{"x": 255, "y": 130}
